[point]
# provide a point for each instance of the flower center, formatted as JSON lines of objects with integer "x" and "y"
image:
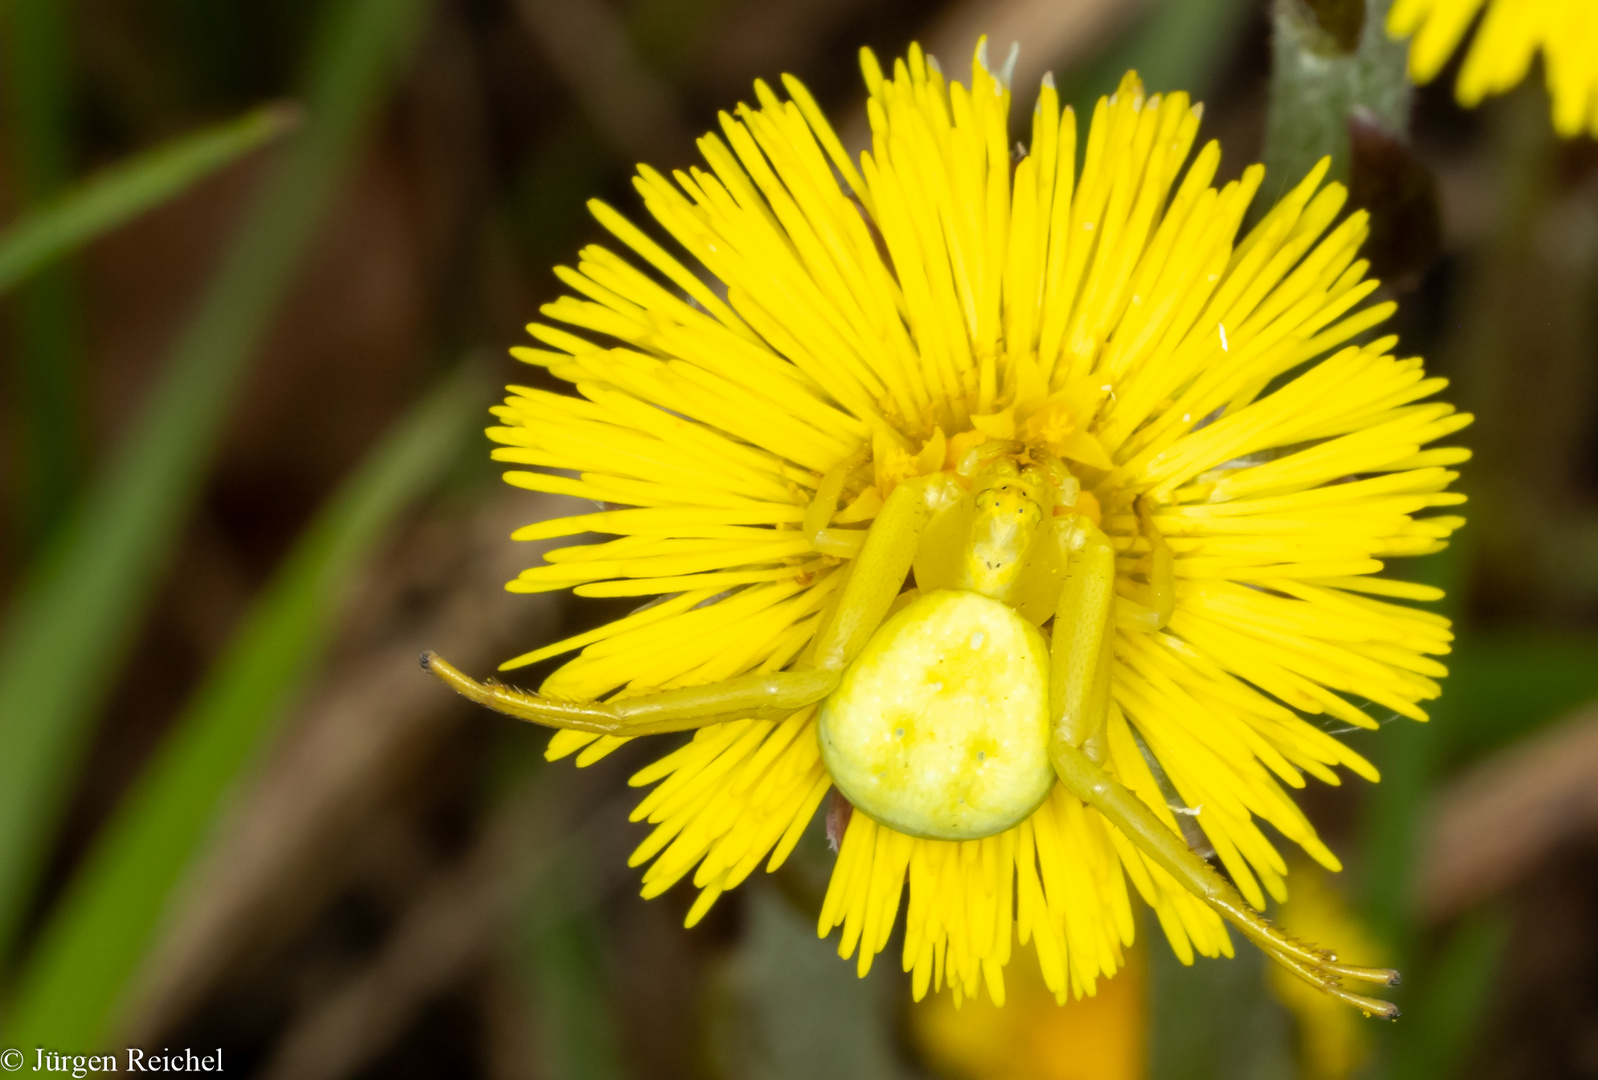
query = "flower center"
{"x": 940, "y": 727}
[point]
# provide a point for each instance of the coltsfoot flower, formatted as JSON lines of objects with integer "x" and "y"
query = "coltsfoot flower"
{"x": 1141, "y": 475}
{"x": 1511, "y": 34}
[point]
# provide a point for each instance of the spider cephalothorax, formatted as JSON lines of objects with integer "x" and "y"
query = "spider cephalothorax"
{"x": 941, "y": 726}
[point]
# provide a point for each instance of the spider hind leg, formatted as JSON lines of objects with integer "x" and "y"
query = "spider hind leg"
{"x": 1082, "y": 654}
{"x": 1318, "y": 967}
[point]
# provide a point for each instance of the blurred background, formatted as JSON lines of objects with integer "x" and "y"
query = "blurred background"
{"x": 261, "y": 266}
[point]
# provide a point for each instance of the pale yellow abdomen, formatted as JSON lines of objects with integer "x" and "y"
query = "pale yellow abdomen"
{"x": 940, "y": 727}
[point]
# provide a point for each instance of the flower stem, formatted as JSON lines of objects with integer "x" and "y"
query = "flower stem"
{"x": 1316, "y": 83}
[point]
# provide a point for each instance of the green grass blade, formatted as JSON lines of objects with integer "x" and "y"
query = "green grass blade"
{"x": 36, "y": 69}
{"x": 1407, "y": 755}
{"x": 100, "y": 931}
{"x": 129, "y": 188}
{"x": 1181, "y": 46}
{"x": 45, "y": 349}
{"x": 560, "y": 953}
{"x": 1453, "y": 1001}
{"x": 75, "y": 616}
{"x": 46, "y": 325}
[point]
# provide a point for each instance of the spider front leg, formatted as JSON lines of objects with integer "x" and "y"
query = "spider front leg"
{"x": 1084, "y": 631}
{"x": 874, "y": 581}
{"x": 879, "y": 571}
{"x": 756, "y": 696}
{"x": 1079, "y": 701}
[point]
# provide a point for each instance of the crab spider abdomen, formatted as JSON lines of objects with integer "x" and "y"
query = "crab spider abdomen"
{"x": 940, "y": 727}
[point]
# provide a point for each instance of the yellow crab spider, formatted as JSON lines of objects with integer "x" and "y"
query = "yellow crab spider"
{"x": 945, "y": 710}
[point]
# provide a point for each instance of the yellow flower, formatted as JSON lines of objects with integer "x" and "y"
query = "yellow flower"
{"x": 832, "y": 328}
{"x": 1511, "y": 33}
{"x": 1104, "y": 1037}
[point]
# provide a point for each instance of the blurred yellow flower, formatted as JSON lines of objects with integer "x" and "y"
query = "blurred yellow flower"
{"x": 1510, "y": 35}
{"x": 1104, "y": 1037}
{"x": 1332, "y": 1042}
{"x": 844, "y": 326}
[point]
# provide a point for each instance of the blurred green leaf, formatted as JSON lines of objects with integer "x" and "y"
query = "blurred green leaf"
{"x": 46, "y": 336}
{"x": 1440, "y": 1028}
{"x": 101, "y": 929}
{"x": 35, "y": 42}
{"x": 1214, "y": 1019}
{"x": 46, "y": 361}
{"x": 129, "y": 188}
{"x": 75, "y": 616}
{"x": 1175, "y": 45}
{"x": 1505, "y": 685}
{"x": 559, "y": 949}
{"x": 1406, "y": 753}
{"x": 787, "y": 1009}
